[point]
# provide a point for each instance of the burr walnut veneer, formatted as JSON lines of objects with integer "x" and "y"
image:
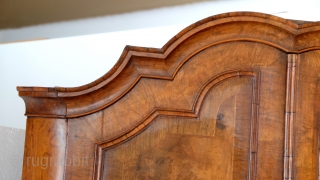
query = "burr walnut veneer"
{"x": 233, "y": 96}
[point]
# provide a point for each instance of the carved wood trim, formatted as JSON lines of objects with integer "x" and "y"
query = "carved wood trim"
{"x": 194, "y": 112}
{"x": 290, "y": 115}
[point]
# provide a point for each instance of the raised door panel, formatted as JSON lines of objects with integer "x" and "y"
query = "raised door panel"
{"x": 221, "y": 117}
{"x": 218, "y": 144}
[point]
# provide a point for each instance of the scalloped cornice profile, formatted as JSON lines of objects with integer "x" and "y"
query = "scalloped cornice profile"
{"x": 289, "y": 36}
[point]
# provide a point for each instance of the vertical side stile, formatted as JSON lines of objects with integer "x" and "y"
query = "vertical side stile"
{"x": 289, "y": 116}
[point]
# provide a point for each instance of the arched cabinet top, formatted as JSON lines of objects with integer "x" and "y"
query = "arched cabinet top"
{"x": 289, "y": 36}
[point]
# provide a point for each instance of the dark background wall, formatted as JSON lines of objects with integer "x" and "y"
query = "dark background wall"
{"x": 19, "y": 13}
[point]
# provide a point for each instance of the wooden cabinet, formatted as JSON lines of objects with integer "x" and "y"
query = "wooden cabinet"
{"x": 233, "y": 96}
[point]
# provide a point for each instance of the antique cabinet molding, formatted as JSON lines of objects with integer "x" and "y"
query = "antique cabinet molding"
{"x": 238, "y": 89}
{"x": 289, "y": 37}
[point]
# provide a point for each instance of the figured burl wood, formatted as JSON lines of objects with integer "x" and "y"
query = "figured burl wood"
{"x": 232, "y": 96}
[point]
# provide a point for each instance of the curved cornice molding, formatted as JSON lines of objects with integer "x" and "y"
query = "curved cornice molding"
{"x": 65, "y": 102}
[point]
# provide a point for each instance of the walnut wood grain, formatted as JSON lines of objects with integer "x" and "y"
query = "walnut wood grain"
{"x": 306, "y": 140}
{"x": 232, "y": 96}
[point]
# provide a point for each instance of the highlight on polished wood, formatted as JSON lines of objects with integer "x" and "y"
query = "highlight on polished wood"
{"x": 232, "y": 96}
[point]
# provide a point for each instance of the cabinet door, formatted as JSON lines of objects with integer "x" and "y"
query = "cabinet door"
{"x": 306, "y": 122}
{"x": 221, "y": 117}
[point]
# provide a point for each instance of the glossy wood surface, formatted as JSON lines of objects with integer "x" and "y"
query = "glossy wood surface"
{"x": 233, "y": 96}
{"x": 45, "y": 146}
